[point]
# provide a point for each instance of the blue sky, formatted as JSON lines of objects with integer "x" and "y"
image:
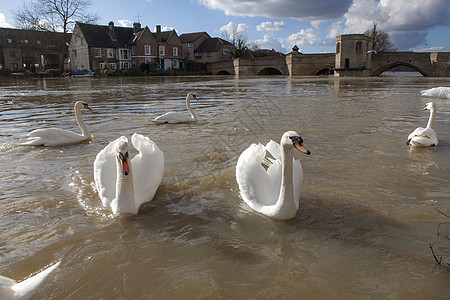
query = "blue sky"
{"x": 416, "y": 25}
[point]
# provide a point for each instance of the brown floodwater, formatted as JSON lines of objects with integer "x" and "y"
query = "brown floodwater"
{"x": 368, "y": 206}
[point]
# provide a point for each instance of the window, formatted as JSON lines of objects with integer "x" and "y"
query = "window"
{"x": 338, "y": 48}
{"x": 102, "y": 65}
{"x": 176, "y": 64}
{"x": 358, "y": 48}
{"x": 147, "y": 60}
{"x": 113, "y": 66}
{"x": 9, "y": 41}
{"x": 226, "y": 51}
{"x": 110, "y": 53}
{"x": 132, "y": 50}
{"x": 124, "y": 54}
{"x": 98, "y": 52}
{"x": 12, "y": 53}
{"x": 147, "y": 50}
{"x": 14, "y": 67}
{"x": 175, "y": 51}
{"x": 162, "y": 50}
{"x": 125, "y": 65}
{"x": 189, "y": 45}
{"x": 208, "y": 54}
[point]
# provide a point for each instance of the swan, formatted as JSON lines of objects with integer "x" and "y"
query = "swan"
{"x": 60, "y": 137}
{"x": 177, "y": 117}
{"x": 10, "y": 289}
{"x": 438, "y": 92}
{"x": 123, "y": 185}
{"x": 424, "y": 137}
{"x": 273, "y": 192}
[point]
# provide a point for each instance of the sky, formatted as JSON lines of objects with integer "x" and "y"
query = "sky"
{"x": 312, "y": 25}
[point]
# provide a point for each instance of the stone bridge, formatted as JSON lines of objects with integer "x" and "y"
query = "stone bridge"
{"x": 435, "y": 64}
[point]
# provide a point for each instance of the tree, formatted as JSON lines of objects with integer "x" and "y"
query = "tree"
{"x": 381, "y": 41}
{"x": 239, "y": 40}
{"x": 53, "y": 15}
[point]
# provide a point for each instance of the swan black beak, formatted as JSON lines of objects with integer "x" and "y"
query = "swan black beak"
{"x": 85, "y": 105}
{"x": 195, "y": 97}
{"x": 125, "y": 163}
{"x": 298, "y": 143}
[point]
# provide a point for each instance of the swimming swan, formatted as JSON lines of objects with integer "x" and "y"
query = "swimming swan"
{"x": 424, "y": 137}
{"x": 60, "y": 137}
{"x": 177, "y": 117}
{"x": 438, "y": 92}
{"x": 273, "y": 192}
{"x": 123, "y": 185}
{"x": 10, "y": 289}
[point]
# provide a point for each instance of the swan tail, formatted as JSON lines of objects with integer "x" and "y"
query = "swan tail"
{"x": 25, "y": 289}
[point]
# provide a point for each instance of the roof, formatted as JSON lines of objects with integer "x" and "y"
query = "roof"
{"x": 212, "y": 45}
{"x": 99, "y": 35}
{"x": 41, "y": 39}
{"x": 192, "y": 37}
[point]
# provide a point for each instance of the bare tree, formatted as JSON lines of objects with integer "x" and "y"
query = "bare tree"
{"x": 53, "y": 15}
{"x": 240, "y": 42}
{"x": 381, "y": 41}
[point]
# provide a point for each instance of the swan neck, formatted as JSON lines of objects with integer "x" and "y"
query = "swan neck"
{"x": 286, "y": 203}
{"x": 124, "y": 192}
{"x": 84, "y": 130}
{"x": 431, "y": 119}
{"x": 188, "y": 105}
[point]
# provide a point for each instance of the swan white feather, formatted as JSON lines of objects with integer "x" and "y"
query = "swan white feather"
{"x": 438, "y": 92}
{"x": 126, "y": 193}
{"x": 274, "y": 192}
{"x": 178, "y": 117}
{"x": 10, "y": 289}
{"x": 60, "y": 137}
{"x": 425, "y": 137}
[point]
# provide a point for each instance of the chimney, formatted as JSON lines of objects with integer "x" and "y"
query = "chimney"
{"x": 112, "y": 32}
{"x": 136, "y": 27}
{"x": 158, "y": 33}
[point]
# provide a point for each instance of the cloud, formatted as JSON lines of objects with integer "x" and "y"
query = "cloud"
{"x": 3, "y": 22}
{"x": 268, "y": 42}
{"x": 298, "y": 9}
{"x": 269, "y": 26}
{"x": 232, "y": 28}
{"x": 301, "y": 38}
{"x": 125, "y": 23}
{"x": 407, "y": 21}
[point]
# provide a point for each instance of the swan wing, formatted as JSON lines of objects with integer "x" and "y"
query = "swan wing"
{"x": 423, "y": 137}
{"x": 105, "y": 172}
{"x": 53, "y": 137}
{"x": 255, "y": 183}
{"x": 438, "y": 92}
{"x": 173, "y": 117}
{"x": 147, "y": 167}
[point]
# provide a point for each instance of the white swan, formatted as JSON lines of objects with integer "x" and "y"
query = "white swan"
{"x": 424, "y": 137}
{"x": 275, "y": 192}
{"x": 60, "y": 137}
{"x": 177, "y": 117}
{"x": 10, "y": 289}
{"x": 123, "y": 185}
{"x": 438, "y": 92}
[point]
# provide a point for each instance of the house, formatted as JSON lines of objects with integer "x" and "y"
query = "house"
{"x": 33, "y": 50}
{"x": 119, "y": 48}
{"x": 201, "y": 47}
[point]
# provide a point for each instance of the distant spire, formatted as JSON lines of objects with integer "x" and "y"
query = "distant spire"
{"x": 138, "y": 18}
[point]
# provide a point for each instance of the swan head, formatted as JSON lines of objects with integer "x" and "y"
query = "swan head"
{"x": 293, "y": 139}
{"x": 123, "y": 158}
{"x": 191, "y": 96}
{"x": 81, "y": 104}
{"x": 430, "y": 106}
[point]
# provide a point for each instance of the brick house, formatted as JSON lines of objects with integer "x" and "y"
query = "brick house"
{"x": 33, "y": 50}
{"x": 119, "y": 48}
{"x": 200, "y": 47}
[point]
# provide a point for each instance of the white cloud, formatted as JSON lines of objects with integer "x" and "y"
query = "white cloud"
{"x": 432, "y": 49}
{"x": 301, "y": 38}
{"x": 232, "y": 28}
{"x": 125, "y": 23}
{"x": 3, "y": 22}
{"x": 298, "y": 9}
{"x": 268, "y": 42}
{"x": 269, "y": 26}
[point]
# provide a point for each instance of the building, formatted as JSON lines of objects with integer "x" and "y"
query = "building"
{"x": 200, "y": 47}
{"x": 94, "y": 47}
{"x": 33, "y": 50}
{"x": 352, "y": 55}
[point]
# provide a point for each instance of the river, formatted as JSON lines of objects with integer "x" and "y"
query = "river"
{"x": 368, "y": 207}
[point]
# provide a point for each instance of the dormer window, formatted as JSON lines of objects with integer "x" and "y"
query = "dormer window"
{"x": 9, "y": 41}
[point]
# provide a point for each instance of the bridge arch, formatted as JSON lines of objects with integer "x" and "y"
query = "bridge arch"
{"x": 269, "y": 71}
{"x": 325, "y": 70}
{"x": 387, "y": 67}
{"x": 223, "y": 72}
